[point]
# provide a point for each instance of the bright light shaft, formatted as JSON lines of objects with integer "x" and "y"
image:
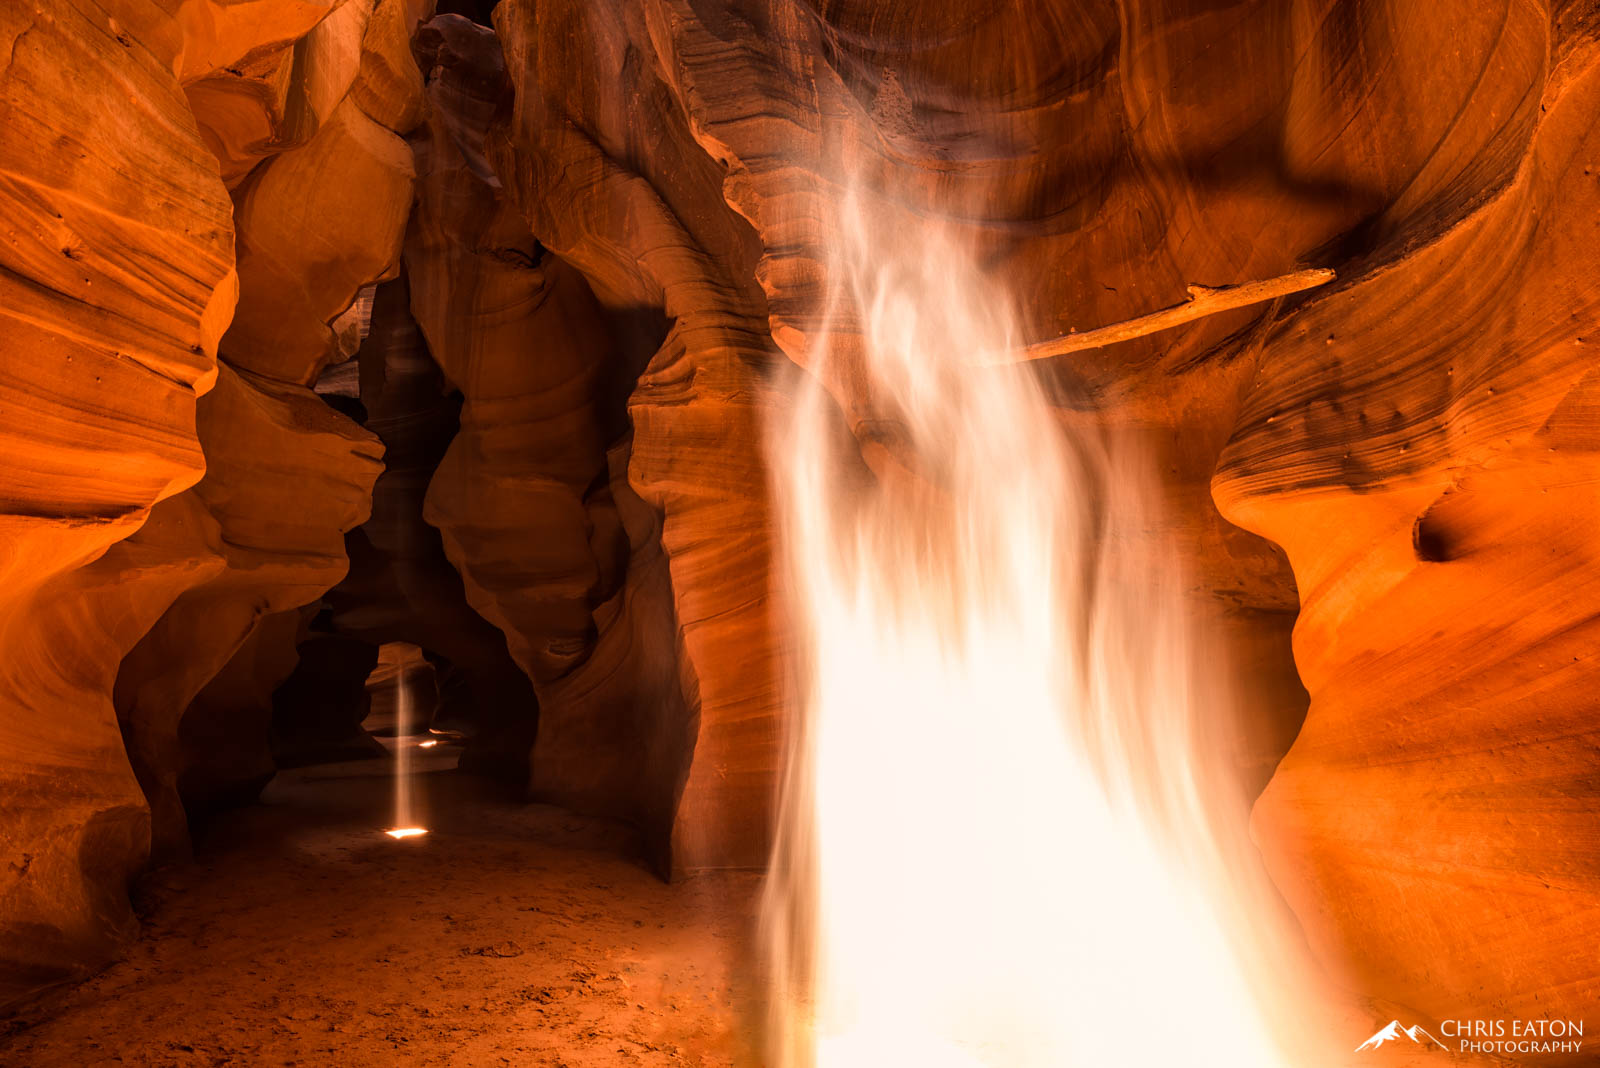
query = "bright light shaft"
{"x": 404, "y": 820}
{"x": 994, "y": 853}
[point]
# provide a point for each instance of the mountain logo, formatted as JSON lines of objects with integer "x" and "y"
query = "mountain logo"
{"x": 1393, "y": 1031}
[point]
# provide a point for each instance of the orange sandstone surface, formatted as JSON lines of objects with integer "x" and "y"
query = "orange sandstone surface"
{"x": 330, "y": 324}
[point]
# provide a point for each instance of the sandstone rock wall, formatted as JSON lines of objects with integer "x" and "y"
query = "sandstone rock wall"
{"x": 532, "y": 498}
{"x": 122, "y": 275}
{"x": 117, "y": 282}
{"x": 287, "y": 475}
{"x": 705, "y": 180}
{"x": 401, "y": 586}
{"x": 618, "y": 259}
{"x": 1423, "y": 444}
{"x": 601, "y": 162}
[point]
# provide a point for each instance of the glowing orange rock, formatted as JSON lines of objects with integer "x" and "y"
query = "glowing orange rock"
{"x": 119, "y": 283}
{"x": 116, "y": 281}
{"x": 1424, "y": 446}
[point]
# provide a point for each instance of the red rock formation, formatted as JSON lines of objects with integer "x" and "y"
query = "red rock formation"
{"x": 532, "y": 497}
{"x": 264, "y": 75}
{"x": 1422, "y": 443}
{"x": 118, "y": 281}
{"x": 401, "y": 587}
{"x": 287, "y": 477}
{"x": 315, "y": 225}
{"x": 631, "y": 226}
{"x": 600, "y": 159}
{"x": 640, "y": 181}
{"x": 239, "y": 74}
{"x": 77, "y": 827}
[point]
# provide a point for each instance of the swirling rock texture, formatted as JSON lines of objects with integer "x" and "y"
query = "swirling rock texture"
{"x": 123, "y": 266}
{"x": 266, "y": 443}
{"x": 599, "y": 158}
{"x": 118, "y": 281}
{"x": 703, "y": 180}
{"x": 287, "y": 475}
{"x": 532, "y": 498}
{"x": 1422, "y": 443}
{"x": 401, "y": 587}
{"x": 1416, "y": 441}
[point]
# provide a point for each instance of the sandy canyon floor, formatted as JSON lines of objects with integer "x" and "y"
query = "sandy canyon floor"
{"x": 510, "y": 935}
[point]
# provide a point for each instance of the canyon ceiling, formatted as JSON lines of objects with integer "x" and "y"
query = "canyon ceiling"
{"x": 330, "y": 323}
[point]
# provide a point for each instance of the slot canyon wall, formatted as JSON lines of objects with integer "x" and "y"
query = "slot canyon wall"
{"x": 193, "y": 198}
{"x": 597, "y": 230}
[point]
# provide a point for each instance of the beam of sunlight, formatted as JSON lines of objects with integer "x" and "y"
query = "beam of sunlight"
{"x": 405, "y": 825}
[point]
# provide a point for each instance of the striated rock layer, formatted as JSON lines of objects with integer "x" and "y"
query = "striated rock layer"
{"x": 124, "y": 263}
{"x": 600, "y": 160}
{"x": 1423, "y": 444}
{"x": 532, "y": 498}
{"x": 116, "y": 282}
{"x": 287, "y": 475}
{"x": 401, "y": 587}
{"x": 617, "y": 257}
{"x": 704, "y": 180}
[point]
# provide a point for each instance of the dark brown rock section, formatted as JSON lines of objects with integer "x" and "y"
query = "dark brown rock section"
{"x": 599, "y": 159}
{"x": 401, "y": 587}
{"x": 532, "y": 497}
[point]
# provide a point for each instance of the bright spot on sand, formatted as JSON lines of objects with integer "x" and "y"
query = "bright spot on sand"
{"x": 406, "y": 832}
